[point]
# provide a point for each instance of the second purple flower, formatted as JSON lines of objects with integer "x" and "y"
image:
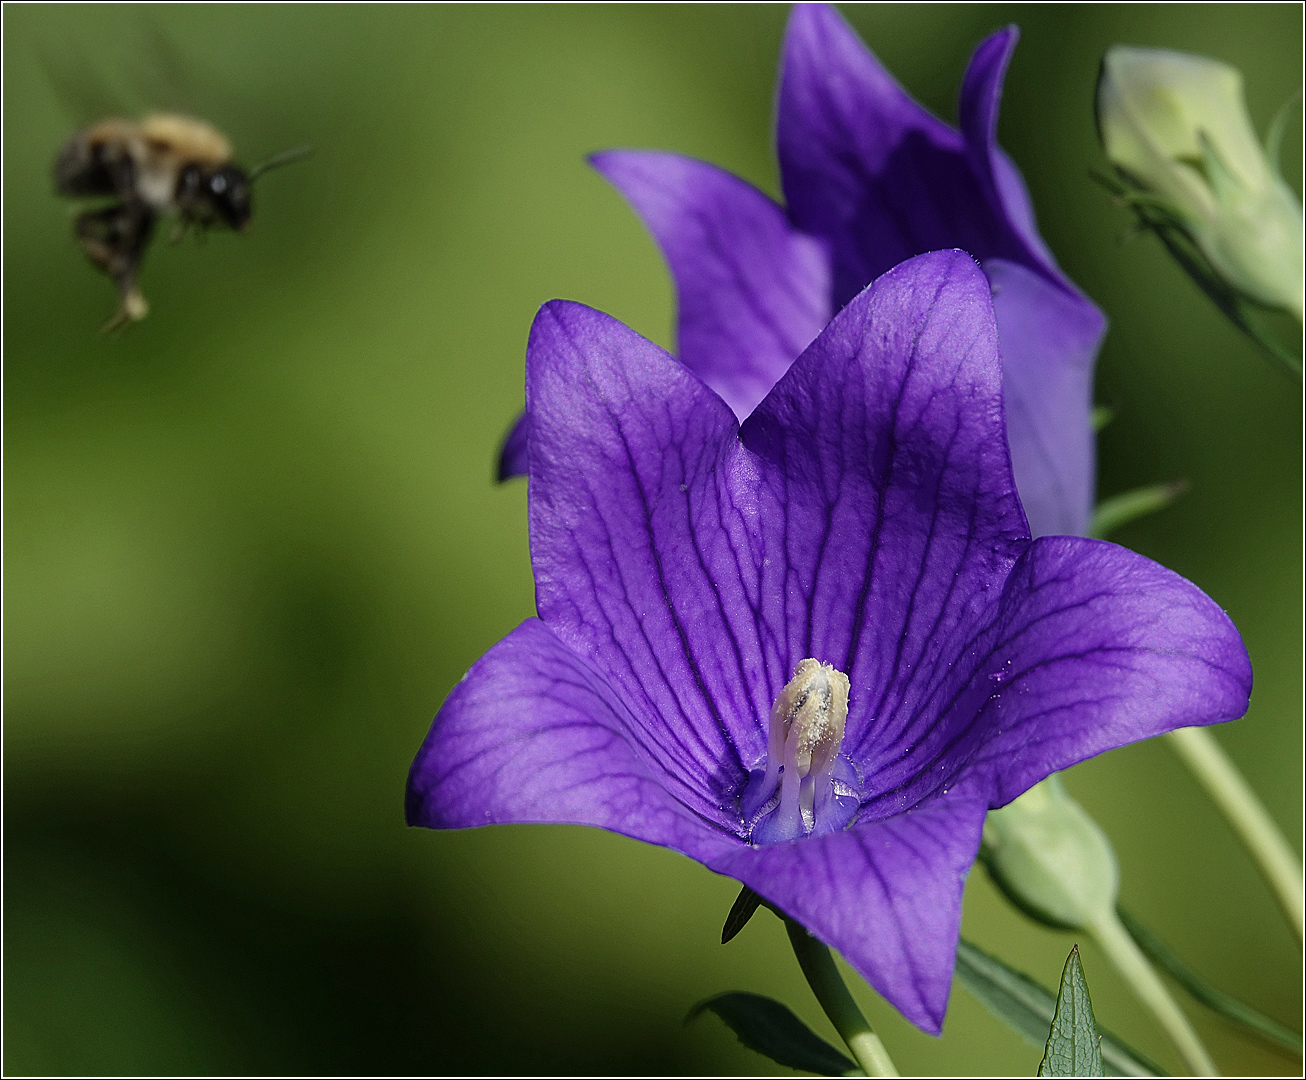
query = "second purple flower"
{"x": 870, "y": 179}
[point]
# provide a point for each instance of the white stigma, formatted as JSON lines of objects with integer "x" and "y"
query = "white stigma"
{"x": 808, "y": 718}
{"x": 806, "y": 733}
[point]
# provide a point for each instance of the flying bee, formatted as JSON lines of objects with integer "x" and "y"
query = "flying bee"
{"x": 164, "y": 165}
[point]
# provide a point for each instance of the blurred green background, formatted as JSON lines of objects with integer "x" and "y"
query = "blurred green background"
{"x": 252, "y": 542}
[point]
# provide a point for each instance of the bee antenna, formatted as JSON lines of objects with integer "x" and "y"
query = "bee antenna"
{"x": 286, "y": 157}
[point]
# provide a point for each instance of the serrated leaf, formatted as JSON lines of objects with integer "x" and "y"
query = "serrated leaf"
{"x": 1073, "y": 1047}
{"x": 1217, "y": 1000}
{"x": 743, "y": 909}
{"x": 768, "y": 1027}
{"x": 1121, "y": 509}
{"x": 1028, "y": 1008}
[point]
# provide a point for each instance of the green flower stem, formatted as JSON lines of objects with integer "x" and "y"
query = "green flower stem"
{"x": 1147, "y": 986}
{"x": 1249, "y": 818}
{"x": 828, "y": 986}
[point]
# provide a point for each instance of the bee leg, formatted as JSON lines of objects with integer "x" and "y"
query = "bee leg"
{"x": 114, "y": 239}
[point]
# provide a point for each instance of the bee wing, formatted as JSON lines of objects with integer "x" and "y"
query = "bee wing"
{"x": 164, "y": 77}
{"x": 79, "y": 85}
{"x": 151, "y": 73}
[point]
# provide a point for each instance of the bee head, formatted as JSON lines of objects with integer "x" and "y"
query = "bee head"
{"x": 228, "y": 191}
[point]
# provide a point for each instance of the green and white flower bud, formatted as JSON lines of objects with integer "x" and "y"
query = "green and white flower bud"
{"x": 1056, "y": 865}
{"x": 1051, "y": 859}
{"x": 1175, "y": 126}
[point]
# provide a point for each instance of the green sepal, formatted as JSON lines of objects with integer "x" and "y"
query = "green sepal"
{"x": 1129, "y": 506}
{"x": 743, "y": 909}
{"x": 1028, "y": 1008}
{"x": 1282, "y": 343}
{"x": 771, "y": 1029}
{"x": 1073, "y": 1043}
{"x": 1214, "y": 999}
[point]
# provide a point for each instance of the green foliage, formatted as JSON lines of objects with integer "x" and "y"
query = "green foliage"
{"x": 1073, "y": 1044}
{"x": 771, "y": 1029}
{"x": 743, "y": 909}
{"x": 1128, "y": 506}
{"x": 1029, "y": 1009}
{"x": 1215, "y": 999}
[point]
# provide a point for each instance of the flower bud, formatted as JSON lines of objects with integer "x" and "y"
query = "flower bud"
{"x": 1176, "y": 128}
{"x": 1051, "y": 859}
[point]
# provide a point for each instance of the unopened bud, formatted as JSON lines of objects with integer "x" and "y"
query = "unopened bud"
{"x": 1051, "y": 859}
{"x": 1176, "y": 128}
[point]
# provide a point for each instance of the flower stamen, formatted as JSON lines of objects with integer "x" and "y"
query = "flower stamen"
{"x": 817, "y": 787}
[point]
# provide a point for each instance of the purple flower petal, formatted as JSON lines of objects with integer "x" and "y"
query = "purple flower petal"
{"x": 873, "y": 504}
{"x": 531, "y": 733}
{"x": 886, "y": 894}
{"x": 886, "y": 508}
{"x": 1049, "y": 339}
{"x": 867, "y": 168}
{"x": 999, "y": 179}
{"x": 1094, "y": 647}
{"x": 512, "y": 455}
{"x": 881, "y": 179}
{"x": 753, "y": 291}
{"x": 634, "y": 567}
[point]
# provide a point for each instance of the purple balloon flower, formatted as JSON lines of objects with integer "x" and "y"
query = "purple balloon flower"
{"x": 813, "y": 650}
{"x": 870, "y": 179}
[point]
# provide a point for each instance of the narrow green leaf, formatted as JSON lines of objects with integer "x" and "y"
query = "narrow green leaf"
{"x": 1072, "y": 1048}
{"x": 1028, "y": 1008}
{"x": 768, "y": 1027}
{"x": 1121, "y": 509}
{"x": 1102, "y": 415}
{"x": 743, "y": 909}
{"x": 1217, "y": 1000}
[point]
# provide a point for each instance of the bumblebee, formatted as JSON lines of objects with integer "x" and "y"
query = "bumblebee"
{"x": 165, "y": 165}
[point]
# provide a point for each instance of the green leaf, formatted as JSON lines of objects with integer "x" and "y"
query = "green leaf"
{"x": 743, "y": 909}
{"x": 1102, "y": 415}
{"x": 1028, "y": 1008}
{"x": 1119, "y": 510}
{"x": 1072, "y": 1048}
{"x": 772, "y": 1030}
{"x": 1217, "y": 1000}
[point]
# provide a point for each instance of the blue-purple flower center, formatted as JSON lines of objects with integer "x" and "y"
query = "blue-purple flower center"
{"x": 805, "y": 787}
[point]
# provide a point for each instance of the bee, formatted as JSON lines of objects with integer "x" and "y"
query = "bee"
{"x": 163, "y": 166}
